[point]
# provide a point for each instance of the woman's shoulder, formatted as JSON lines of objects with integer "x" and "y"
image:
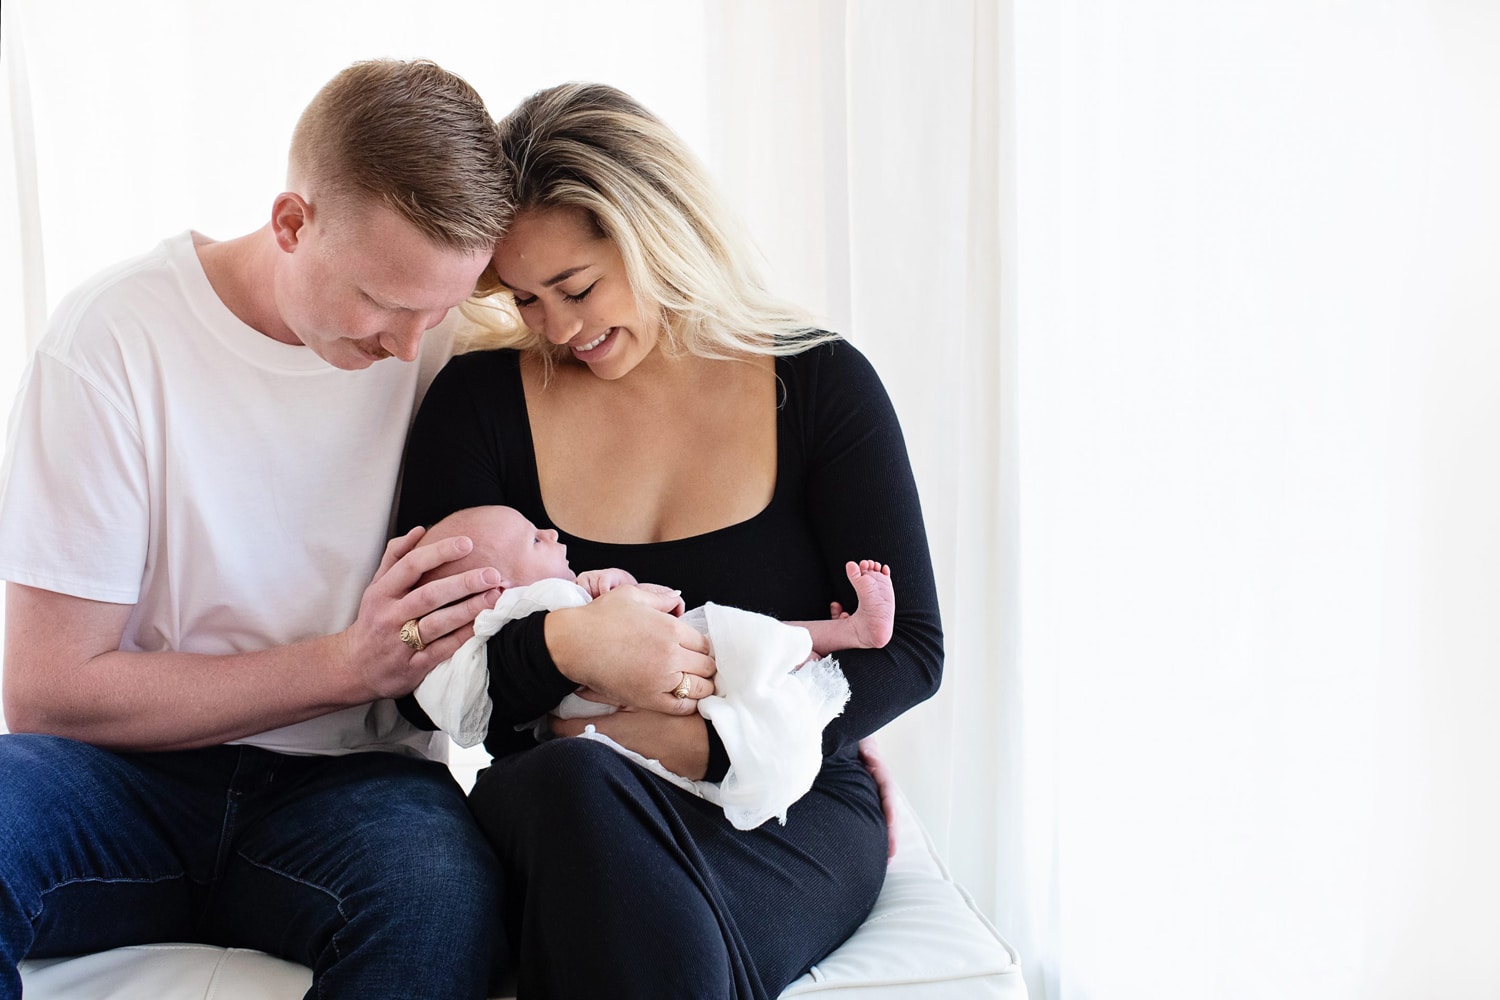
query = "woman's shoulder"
{"x": 486, "y": 359}
{"x": 482, "y": 366}
{"x": 832, "y": 366}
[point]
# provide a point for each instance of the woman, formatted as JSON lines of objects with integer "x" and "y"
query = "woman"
{"x": 666, "y": 415}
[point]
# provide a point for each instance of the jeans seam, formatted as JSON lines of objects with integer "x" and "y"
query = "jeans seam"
{"x": 333, "y": 939}
{"x": 295, "y": 878}
{"x": 105, "y": 879}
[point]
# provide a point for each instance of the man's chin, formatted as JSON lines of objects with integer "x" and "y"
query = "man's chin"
{"x": 351, "y": 359}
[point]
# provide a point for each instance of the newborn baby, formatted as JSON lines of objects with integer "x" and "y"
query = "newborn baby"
{"x": 525, "y": 554}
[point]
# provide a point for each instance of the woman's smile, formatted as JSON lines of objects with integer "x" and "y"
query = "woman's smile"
{"x": 581, "y": 349}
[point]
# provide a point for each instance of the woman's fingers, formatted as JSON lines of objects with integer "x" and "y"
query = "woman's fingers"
{"x": 628, "y": 646}
{"x": 675, "y": 596}
{"x": 684, "y": 696}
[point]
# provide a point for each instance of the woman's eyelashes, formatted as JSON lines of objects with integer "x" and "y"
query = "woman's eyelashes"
{"x": 523, "y": 301}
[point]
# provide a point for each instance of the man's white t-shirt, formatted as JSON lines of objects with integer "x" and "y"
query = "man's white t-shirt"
{"x": 236, "y": 490}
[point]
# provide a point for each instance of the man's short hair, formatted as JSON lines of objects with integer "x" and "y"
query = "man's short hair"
{"x": 413, "y": 137}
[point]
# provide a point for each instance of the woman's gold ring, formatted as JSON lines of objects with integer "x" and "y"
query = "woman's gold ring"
{"x": 412, "y": 637}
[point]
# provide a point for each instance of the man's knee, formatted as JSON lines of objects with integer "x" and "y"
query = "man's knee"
{"x": 423, "y": 847}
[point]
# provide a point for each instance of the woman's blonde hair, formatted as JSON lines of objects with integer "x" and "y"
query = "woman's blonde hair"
{"x": 689, "y": 262}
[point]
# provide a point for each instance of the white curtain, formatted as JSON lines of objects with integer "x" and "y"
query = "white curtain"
{"x": 1254, "y": 307}
{"x": 1190, "y": 314}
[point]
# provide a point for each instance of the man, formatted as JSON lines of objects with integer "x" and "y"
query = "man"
{"x": 202, "y": 637}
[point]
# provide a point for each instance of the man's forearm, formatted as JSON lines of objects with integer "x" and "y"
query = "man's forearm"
{"x": 175, "y": 701}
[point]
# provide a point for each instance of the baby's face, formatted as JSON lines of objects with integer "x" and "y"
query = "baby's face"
{"x": 522, "y": 552}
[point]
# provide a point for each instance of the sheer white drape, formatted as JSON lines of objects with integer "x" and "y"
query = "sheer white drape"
{"x": 863, "y": 141}
{"x": 1190, "y": 314}
{"x": 1255, "y": 312}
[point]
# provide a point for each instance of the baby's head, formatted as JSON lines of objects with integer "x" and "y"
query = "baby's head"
{"x": 504, "y": 539}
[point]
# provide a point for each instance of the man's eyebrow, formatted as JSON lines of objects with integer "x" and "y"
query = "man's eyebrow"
{"x": 385, "y": 303}
{"x": 560, "y": 276}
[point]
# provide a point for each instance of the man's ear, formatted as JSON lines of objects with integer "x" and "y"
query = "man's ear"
{"x": 290, "y": 212}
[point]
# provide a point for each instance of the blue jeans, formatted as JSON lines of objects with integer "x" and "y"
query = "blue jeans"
{"x": 368, "y": 867}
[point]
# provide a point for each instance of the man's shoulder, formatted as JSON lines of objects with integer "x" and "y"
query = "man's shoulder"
{"x": 134, "y": 294}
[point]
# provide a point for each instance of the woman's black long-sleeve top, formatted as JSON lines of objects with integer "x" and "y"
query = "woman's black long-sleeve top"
{"x": 844, "y": 490}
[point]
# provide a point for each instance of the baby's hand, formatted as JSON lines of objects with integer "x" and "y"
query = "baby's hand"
{"x": 599, "y": 582}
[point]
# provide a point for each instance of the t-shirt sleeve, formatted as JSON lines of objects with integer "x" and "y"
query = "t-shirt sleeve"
{"x": 74, "y": 515}
{"x": 862, "y": 503}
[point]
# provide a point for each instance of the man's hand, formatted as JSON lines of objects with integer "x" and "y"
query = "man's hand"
{"x": 885, "y": 782}
{"x": 628, "y": 647}
{"x": 443, "y": 608}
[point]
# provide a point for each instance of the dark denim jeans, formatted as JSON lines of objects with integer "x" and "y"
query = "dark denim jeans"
{"x": 366, "y": 867}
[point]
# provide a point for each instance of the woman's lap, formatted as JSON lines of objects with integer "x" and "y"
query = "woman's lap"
{"x": 608, "y": 866}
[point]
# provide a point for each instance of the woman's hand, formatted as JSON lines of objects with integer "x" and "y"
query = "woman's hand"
{"x": 628, "y": 648}
{"x": 680, "y": 742}
{"x": 599, "y": 582}
{"x": 444, "y": 610}
{"x": 667, "y": 594}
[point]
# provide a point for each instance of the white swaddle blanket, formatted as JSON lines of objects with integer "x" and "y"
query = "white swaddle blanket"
{"x": 769, "y": 714}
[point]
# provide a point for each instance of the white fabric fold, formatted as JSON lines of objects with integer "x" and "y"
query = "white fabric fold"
{"x": 769, "y": 713}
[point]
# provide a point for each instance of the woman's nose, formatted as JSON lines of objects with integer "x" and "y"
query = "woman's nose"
{"x": 561, "y": 326}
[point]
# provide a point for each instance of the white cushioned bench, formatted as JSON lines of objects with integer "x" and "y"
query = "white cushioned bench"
{"x": 925, "y": 940}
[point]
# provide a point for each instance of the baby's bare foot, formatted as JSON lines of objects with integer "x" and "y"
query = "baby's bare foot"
{"x": 875, "y": 619}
